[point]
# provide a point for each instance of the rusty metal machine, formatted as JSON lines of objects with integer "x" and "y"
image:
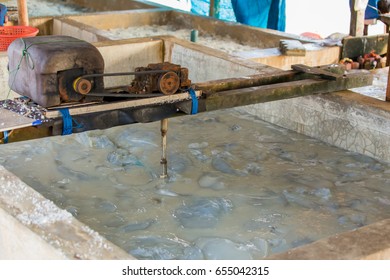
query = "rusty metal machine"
{"x": 42, "y": 68}
{"x": 61, "y": 70}
{"x": 172, "y": 78}
{"x": 160, "y": 78}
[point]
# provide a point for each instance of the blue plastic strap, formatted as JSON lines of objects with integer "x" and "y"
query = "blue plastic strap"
{"x": 66, "y": 121}
{"x": 77, "y": 124}
{"x": 194, "y": 109}
{"x": 36, "y": 122}
{"x": 5, "y": 139}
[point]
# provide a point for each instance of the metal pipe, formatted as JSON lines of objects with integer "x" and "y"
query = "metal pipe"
{"x": 23, "y": 13}
{"x": 164, "y": 161}
{"x": 121, "y": 74}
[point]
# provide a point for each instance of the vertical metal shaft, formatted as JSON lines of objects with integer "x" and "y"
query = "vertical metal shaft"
{"x": 164, "y": 161}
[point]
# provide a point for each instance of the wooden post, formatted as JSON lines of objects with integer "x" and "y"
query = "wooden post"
{"x": 388, "y": 88}
{"x": 212, "y": 12}
{"x": 386, "y": 20}
{"x": 214, "y": 8}
{"x": 357, "y": 20}
{"x": 388, "y": 53}
{"x": 23, "y": 13}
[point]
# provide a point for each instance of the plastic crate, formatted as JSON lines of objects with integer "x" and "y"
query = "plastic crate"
{"x": 9, "y": 33}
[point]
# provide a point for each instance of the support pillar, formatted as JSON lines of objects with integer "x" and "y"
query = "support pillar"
{"x": 357, "y": 18}
{"x": 23, "y": 13}
{"x": 386, "y": 20}
{"x": 214, "y": 8}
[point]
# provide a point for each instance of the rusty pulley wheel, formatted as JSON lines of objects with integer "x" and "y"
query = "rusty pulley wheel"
{"x": 82, "y": 86}
{"x": 168, "y": 83}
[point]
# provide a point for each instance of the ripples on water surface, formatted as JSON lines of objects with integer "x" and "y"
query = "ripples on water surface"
{"x": 239, "y": 188}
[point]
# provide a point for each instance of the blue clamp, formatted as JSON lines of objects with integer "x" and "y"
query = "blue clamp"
{"x": 194, "y": 109}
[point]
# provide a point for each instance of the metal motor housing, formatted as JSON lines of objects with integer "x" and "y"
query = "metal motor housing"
{"x": 43, "y": 68}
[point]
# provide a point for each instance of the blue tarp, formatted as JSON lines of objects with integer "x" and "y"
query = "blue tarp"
{"x": 371, "y": 10}
{"x": 260, "y": 13}
{"x": 202, "y": 7}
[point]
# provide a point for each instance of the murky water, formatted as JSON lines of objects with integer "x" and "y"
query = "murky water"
{"x": 239, "y": 188}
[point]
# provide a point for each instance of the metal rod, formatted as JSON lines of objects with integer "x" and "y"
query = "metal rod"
{"x": 123, "y": 74}
{"x": 124, "y": 95}
{"x": 164, "y": 161}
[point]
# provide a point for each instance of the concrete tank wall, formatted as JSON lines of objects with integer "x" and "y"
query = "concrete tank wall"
{"x": 257, "y": 37}
{"x": 345, "y": 119}
{"x": 260, "y": 39}
{"x": 206, "y": 64}
{"x": 371, "y": 242}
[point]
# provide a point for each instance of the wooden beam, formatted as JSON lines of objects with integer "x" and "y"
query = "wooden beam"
{"x": 23, "y": 13}
{"x": 386, "y": 20}
{"x": 316, "y": 71}
{"x": 267, "y": 93}
{"x": 357, "y": 19}
{"x": 248, "y": 81}
{"x": 11, "y": 120}
{"x": 161, "y": 100}
{"x": 212, "y": 11}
